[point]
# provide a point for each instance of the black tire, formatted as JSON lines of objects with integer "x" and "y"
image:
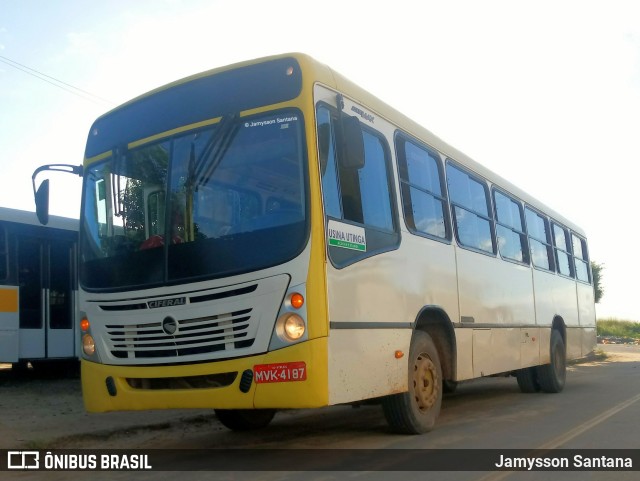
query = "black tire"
{"x": 245, "y": 419}
{"x": 449, "y": 387}
{"x": 20, "y": 368}
{"x": 552, "y": 376}
{"x": 416, "y": 411}
{"x": 528, "y": 380}
{"x": 56, "y": 368}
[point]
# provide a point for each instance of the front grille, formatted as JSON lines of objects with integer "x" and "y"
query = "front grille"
{"x": 192, "y": 336}
{"x": 207, "y": 381}
{"x": 190, "y": 325}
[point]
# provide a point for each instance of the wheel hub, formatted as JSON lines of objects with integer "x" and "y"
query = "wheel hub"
{"x": 425, "y": 382}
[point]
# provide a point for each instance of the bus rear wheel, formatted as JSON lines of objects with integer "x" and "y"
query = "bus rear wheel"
{"x": 416, "y": 411}
{"x": 245, "y": 419}
{"x": 552, "y": 376}
{"x": 528, "y": 380}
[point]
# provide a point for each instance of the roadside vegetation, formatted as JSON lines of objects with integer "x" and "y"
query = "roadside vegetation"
{"x": 627, "y": 331}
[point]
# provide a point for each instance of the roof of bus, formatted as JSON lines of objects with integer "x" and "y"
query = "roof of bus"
{"x": 26, "y": 217}
{"x": 317, "y": 72}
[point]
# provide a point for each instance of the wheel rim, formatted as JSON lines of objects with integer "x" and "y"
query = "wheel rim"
{"x": 425, "y": 382}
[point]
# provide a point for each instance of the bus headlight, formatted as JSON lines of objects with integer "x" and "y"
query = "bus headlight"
{"x": 290, "y": 327}
{"x": 88, "y": 345}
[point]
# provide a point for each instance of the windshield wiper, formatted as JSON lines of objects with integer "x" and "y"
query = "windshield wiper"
{"x": 201, "y": 170}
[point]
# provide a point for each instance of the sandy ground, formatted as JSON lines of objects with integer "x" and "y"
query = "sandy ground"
{"x": 47, "y": 413}
{"x": 620, "y": 353}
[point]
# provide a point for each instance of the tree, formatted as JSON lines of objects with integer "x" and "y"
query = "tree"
{"x": 598, "y": 290}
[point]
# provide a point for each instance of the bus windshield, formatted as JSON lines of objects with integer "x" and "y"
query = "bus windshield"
{"x": 218, "y": 201}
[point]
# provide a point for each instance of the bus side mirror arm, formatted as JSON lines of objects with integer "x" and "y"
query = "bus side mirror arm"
{"x": 41, "y": 194}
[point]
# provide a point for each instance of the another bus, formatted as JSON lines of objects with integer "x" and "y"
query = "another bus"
{"x": 38, "y": 290}
{"x": 268, "y": 236}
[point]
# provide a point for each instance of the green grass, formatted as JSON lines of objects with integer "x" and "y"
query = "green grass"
{"x": 618, "y": 328}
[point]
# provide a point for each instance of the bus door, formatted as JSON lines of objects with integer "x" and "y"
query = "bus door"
{"x": 8, "y": 324}
{"x": 47, "y": 313}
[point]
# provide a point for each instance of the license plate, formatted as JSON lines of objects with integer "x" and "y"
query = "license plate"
{"x": 281, "y": 372}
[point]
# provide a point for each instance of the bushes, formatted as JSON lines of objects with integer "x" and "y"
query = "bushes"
{"x": 618, "y": 328}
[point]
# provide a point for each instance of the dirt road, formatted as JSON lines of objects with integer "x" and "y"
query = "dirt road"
{"x": 45, "y": 413}
{"x": 41, "y": 413}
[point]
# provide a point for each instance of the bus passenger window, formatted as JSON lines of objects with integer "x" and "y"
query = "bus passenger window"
{"x": 471, "y": 216}
{"x": 375, "y": 197}
{"x": 362, "y": 196}
{"x": 3, "y": 253}
{"x": 539, "y": 240}
{"x": 359, "y": 196}
{"x": 422, "y": 193}
{"x": 581, "y": 258}
{"x": 512, "y": 242}
{"x": 561, "y": 248}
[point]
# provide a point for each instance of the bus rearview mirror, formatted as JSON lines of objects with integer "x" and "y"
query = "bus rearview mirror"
{"x": 352, "y": 143}
{"x": 42, "y": 202}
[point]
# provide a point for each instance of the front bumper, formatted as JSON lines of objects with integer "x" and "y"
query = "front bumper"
{"x": 119, "y": 388}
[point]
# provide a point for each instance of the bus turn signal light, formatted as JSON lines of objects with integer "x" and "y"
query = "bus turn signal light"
{"x": 297, "y": 300}
{"x": 84, "y": 324}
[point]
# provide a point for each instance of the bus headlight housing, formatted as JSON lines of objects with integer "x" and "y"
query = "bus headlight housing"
{"x": 88, "y": 345}
{"x": 88, "y": 342}
{"x": 290, "y": 327}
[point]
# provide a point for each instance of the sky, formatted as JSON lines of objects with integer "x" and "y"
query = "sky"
{"x": 544, "y": 93}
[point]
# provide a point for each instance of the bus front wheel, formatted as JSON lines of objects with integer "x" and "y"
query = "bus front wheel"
{"x": 245, "y": 419}
{"x": 415, "y": 411}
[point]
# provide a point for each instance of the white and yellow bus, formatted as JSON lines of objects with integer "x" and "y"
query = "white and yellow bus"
{"x": 268, "y": 235}
{"x": 38, "y": 290}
